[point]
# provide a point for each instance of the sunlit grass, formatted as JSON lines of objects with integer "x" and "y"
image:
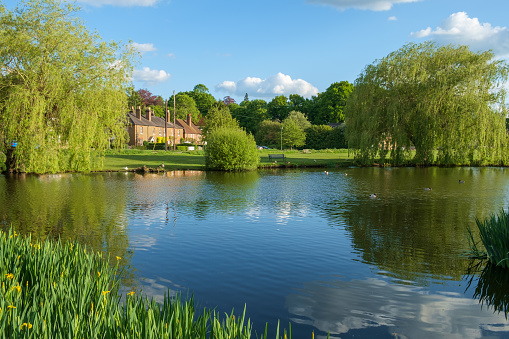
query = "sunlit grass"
{"x": 195, "y": 160}
{"x": 55, "y": 289}
{"x": 494, "y": 236}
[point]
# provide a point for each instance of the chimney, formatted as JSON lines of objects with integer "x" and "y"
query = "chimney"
{"x": 168, "y": 120}
{"x": 189, "y": 120}
{"x": 132, "y": 110}
{"x": 138, "y": 112}
{"x": 148, "y": 114}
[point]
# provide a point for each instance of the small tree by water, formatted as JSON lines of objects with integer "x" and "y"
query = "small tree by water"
{"x": 231, "y": 149}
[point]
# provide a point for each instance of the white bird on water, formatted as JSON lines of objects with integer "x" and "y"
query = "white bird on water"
{"x": 372, "y": 196}
{"x": 125, "y": 168}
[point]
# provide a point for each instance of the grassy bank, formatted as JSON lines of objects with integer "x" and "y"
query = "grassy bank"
{"x": 60, "y": 290}
{"x": 195, "y": 160}
{"x": 494, "y": 237}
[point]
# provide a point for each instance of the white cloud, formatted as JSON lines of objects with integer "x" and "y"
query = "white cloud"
{"x": 143, "y": 48}
{"x": 460, "y": 29}
{"x": 279, "y": 84}
{"x": 120, "y": 3}
{"x": 372, "y": 5}
{"x": 392, "y": 18}
{"x": 171, "y": 55}
{"x": 150, "y": 77}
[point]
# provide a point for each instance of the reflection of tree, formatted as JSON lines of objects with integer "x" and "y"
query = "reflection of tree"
{"x": 492, "y": 286}
{"x": 87, "y": 208}
{"x": 412, "y": 233}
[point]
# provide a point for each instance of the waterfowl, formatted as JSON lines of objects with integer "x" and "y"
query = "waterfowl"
{"x": 427, "y": 188}
{"x": 125, "y": 168}
{"x": 327, "y": 173}
{"x": 372, "y": 195}
{"x": 162, "y": 165}
{"x": 461, "y": 181}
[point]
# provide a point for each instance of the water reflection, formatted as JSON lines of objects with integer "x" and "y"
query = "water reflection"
{"x": 491, "y": 286}
{"x": 376, "y": 307}
{"x": 296, "y": 246}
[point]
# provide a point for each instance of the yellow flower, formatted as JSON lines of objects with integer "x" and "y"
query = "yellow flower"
{"x": 98, "y": 274}
{"x": 11, "y": 306}
{"x": 118, "y": 258}
{"x": 9, "y": 276}
{"x": 105, "y": 292}
{"x": 17, "y": 288}
{"x": 130, "y": 293}
{"x": 92, "y": 308}
{"x": 19, "y": 256}
{"x": 25, "y": 325}
{"x": 313, "y": 335}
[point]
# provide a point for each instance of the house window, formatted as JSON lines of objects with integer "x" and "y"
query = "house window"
{"x": 159, "y": 131}
{"x": 179, "y": 133}
{"x": 141, "y": 130}
{"x": 154, "y": 131}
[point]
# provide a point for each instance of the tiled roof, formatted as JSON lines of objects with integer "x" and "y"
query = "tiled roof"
{"x": 133, "y": 120}
{"x": 188, "y": 129}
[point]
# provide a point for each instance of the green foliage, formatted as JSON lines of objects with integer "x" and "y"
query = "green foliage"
{"x": 494, "y": 234}
{"x": 231, "y": 149}
{"x": 278, "y": 107}
{"x": 300, "y": 119}
{"x": 184, "y": 105}
{"x": 292, "y": 134}
{"x": 250, "y": 114}
{"x": 269, "y": 133}
{"x": 62, "y": 91}
{"x": 431, "y": 97}
{"x": 331, "y": 103}
{"x": 218, "y": 116}
{"x": 318, "y": 137}
{"x": 203, "y": 99}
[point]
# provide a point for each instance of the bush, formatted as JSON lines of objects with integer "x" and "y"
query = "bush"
{"x": 231, "y": 149}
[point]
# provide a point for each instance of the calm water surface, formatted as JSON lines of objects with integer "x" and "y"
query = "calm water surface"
{"x": 296, "y": 246}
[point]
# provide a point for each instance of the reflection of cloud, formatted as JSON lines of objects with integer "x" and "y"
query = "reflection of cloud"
{"x": 143, "y": 242}
{"x": 338, "y": 307}
{"x": 158, "y": 288}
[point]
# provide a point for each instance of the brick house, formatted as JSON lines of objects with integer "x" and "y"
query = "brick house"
{"x": 191, "y": 131}
{"x": 148, "y": 127}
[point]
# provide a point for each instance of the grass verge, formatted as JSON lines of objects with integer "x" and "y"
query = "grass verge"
{"x": 195, "y": 160}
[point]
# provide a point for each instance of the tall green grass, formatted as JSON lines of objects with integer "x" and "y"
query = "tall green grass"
{"x": 494, "y": 236}
{"x": 55, "y": 289}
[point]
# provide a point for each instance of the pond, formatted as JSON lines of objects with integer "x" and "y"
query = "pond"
{"x": 297, "y": 246}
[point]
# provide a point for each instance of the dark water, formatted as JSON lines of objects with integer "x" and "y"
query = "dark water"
{"x": 296, "y": 246}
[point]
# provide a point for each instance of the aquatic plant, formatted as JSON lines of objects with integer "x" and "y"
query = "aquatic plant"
{"x": 56, "y": 289}
{"x": 494, "y": 236}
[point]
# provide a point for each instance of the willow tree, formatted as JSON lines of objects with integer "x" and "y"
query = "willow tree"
{"x": 446, "y": 101}
{"x": 62, "y": 89}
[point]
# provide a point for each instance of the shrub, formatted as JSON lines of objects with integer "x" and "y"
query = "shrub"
{"x": 231, "y": 149}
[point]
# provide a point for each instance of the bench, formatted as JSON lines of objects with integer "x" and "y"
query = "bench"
{"x": 276, "y": 156}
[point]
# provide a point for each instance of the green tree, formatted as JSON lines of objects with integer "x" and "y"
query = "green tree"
{"x": 62, "y": 89}
{"x": 277, "y": 108}
{"x": 293, "y": 134}
{"x": 231, "y": 149}
{"x": 430, "y": 97}
{"x": 203, "y": 99}
{"x": 218, "y": 116}
{"x": 300, "y": 119}
{"x": 331, "y": 103}
{"x": 250, "y": 114}
{"x": 184, "y": 105}
{"x": 269, "y": 133}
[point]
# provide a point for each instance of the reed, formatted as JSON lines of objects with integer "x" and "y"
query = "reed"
{"x": 494, "y": 236}
{"x": 56, "y": 289}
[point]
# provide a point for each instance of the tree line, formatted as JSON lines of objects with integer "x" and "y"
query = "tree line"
{"x": 295, "y": 120}
{"x": 64, "y": 94}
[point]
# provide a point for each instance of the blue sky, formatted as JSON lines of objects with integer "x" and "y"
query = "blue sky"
{"x": 279, "y": 47}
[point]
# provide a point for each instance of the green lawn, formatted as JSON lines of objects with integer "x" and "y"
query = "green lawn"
{"x": 195, "y": 160}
